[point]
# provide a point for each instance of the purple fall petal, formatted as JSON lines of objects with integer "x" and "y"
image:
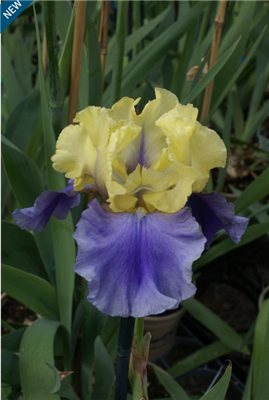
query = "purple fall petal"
{"x": 48, "y": 203}
{"x": 214, "y": 213}
{"x": 136, "y": 264}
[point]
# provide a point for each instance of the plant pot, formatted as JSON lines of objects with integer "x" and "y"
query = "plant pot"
{"x": 163, "y": 332}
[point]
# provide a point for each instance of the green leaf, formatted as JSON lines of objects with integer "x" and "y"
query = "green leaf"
{"x": 56, "y": 98}
{"x": 66, "y": 55}
{"x": 215, "y": 324}
{"x": 211, "y": 74}
{"x": 19, "y": 250}
{"x": 256, "y": 121}
{"x": 12, "y": 341}
{"x": 94, "y": 65}
{"x": 10, "y": 368}
{"x": 140, "y": 66}
{"x": 179, "y": 77}
{"x": 94, "y": 322}
{"x": 103, "y": 370}
{"x": 247, "y": 395}
{"x": 121, "y": 28}
{"x": 26, "y": 184}
{"x": 252, "y": 233}
{"x": 110, "y": 335}
{"x": 23, "y": 66}
{"x": 10, "y": 83}
{"x": 135, "y": 38}
{"x": 63, "y": 12}
{"x": 232, "y": 79}
{"x": 226, "y": 137}
{"x": 260, "y": 354}
{"x": 26, "y": 114}
{"x": 219, "y": 390}
{"x": 23, "y": 175}
{"x": 241, "y": 27}
{"x": 63, "y": 242}
{"x": 200, "y": 357}
{"x": 36, "y": 350}
{"x": 254, "y": 192}
{"x": 30, "y": 290}
{"x": 173, "y": 388}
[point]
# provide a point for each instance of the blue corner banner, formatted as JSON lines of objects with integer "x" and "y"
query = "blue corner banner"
{"x": 10, "y": 10}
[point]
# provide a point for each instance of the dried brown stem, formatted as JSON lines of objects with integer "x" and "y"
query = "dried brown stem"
{"x": 219, "y": 21}
{"x": 76, "y": 58}
{"x": 103, "y": 34}
{"x": 44, "y": 52}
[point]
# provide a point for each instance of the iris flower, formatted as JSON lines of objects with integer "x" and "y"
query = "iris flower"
{"x": 137, "y": 247}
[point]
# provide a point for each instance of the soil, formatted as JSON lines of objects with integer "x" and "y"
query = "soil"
{"x": 14, "y": 313}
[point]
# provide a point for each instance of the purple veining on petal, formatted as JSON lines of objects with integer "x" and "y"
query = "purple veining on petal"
{"x": 48, "y": 203}
{"x": 137, "y": 264}
{"x": 214, "y": 213}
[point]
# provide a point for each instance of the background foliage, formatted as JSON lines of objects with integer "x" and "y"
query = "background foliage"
{"x": 150, "y": 44}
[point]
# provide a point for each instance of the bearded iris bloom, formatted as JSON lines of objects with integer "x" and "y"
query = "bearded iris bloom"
{"x": 136, "y": 249}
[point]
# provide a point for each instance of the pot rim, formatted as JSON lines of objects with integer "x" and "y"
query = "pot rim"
{"x": 158, "y": 318}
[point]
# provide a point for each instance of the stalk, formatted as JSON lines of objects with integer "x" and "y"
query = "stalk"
{"x": 44, "y": 51}
{"x": 76, "y": 58}
{"x": 219, "y": 21}
{"x": 123, "y": 357}
{"x": 119, "y": 51}
{"x": 103, "y": 35}
{"x": 50, "y": 47}
{"x": 139, "y": 333}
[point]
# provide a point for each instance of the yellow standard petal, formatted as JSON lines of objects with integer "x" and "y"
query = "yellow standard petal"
{"x": 207, "y": 151}
{"x": 153, "y": 138}
{"x": 75, "y": 155}
{"x": 178, "y": 125}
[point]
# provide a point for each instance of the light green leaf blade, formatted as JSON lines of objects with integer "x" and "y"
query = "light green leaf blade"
{"x": 63, "y": 242}
{"x": 22, "y": 62}
{"x": 10, "y": 368}
{"x": 26, "y": 115}
{"x": 200, "y": 357}
{"x": 66, "y": 55}
{"x": 12, "y": 341}
{"x": 140, "y": 66}
{"x": 30, "y": 290}
{"x": 173, "y": 388}
{"x": 260, "y": 354}
{"x": 219, "y": 390}
{"x": 118, "y": 52}
{"x": 36, "y": 350}
{"x": 134, "y": 39}
{"x": 247, "y": 394}
{"x": 94, "y": 65}
{"x": 19, "y": 250}
{"x": 211, "y": 74}
{"x": 26, "y": 184}
{"x": 215, "y": 324}
{"x": 238, "y": 72}
{"x": 10, "y": 82}
{"x": 254, "y": 192}
{"x": 23, "y": 175}
{"x": 94, "y": 322}
{"x": 104, "y": 371}
{"x": 63, "y": 12}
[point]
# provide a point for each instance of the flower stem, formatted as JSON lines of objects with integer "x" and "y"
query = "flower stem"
{"x": 123, "y": 357}
{"x": 139, "y": 333}
{"x": 219, "y": 21}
